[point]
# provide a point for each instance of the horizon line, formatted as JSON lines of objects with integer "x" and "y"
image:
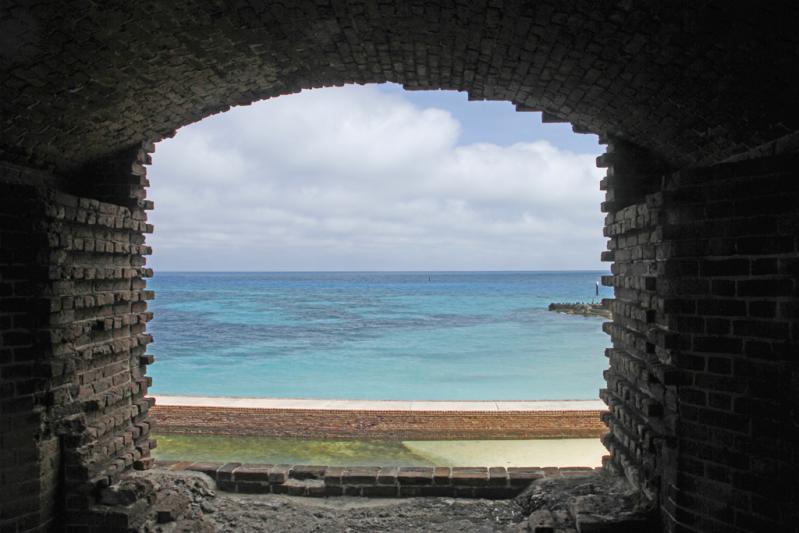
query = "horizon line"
{"x": 372, "y": 271}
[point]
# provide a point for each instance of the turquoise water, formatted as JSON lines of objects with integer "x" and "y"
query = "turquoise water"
{"x": 376, "y": 335}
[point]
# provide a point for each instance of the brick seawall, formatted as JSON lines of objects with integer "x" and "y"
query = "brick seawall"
{"x": 376, "y": 424}
{"x": 387, "y": 482}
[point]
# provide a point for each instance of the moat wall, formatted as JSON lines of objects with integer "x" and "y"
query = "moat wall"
{"x": 384, "y": 482}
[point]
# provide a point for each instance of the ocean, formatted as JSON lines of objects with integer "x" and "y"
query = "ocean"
{"x": 376, "y": 335}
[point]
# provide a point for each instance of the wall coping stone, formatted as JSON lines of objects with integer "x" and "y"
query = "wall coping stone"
{"x": 496, "y": 482}
{"x": 379, "y": 405}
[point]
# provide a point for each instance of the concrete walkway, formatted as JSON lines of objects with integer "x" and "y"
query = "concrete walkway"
{"x": 380, "y": 405}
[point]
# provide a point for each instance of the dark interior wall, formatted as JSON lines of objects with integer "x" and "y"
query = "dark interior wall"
{"x": 73, "y": 308}
{"x": 641, "y": 394}
{"x": 29, "y": 446}
{"x": 702, "y": 383}
{"x": 704, "y": 379}
{"x": 730, "y": 292}
{"x": 695, "y": 82}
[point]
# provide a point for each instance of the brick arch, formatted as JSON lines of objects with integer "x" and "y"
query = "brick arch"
{"x": 702, "y": 380}
{"x": 83, "y": 84}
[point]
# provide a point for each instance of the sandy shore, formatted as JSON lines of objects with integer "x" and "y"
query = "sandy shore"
{"x": 379, "y": 405}
{"x": 545, "y": 452}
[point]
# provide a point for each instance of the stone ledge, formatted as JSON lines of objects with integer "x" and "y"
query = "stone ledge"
{"x": 387, "y": 481}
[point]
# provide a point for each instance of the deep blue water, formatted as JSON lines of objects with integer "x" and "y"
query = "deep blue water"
{"x": 376, "y": 335}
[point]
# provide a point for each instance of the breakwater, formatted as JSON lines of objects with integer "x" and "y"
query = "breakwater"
{"x": 582, "y": 309}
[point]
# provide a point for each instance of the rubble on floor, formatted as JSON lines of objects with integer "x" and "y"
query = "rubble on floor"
{"x": 182, "y": 501}
{"x": 598, "y": 503}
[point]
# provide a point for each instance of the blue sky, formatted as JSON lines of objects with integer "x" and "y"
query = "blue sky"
{"x": 376, "y": 178}
{"x": 496, "y": 122}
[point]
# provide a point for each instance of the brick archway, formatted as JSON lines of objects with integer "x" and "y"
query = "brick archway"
{"x": 703, "y": 258}
{"x": 686, "y": 84}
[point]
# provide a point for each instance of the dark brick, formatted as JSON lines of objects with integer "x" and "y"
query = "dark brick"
{"x": 720, "y": 401}
{"x": 253, "y": 487}
{"x": 380, "y": 491}
{"x": 416, "y": 475}
{"x": 717, "y": 345}
{"x": 206, "y": 468}
{"x": 765, "y": 267}
{"x": 693, "y": 396}
{"x": 725, "y": 267}
{"x": 388, "y": 475}
{"x": 360, "y": 476}
{"x": 495, "y": 493}
{"x": 763, "y": 309}
{"x": 765, "y": 287}
{"x": 225, "y": 472}
{"x": 465, "y": 476}
{"x": 764, "y": 245}
{"x": 718, "y": 326}
{"x": 279, "y": 474}
{"x": 441, "y": 475}
{"x": 719, "y": 365}
{"x": 670, "y": 231}
{"x": 761, "y": 329}
{"x": 498, "y": 476}
{"x": 307, "y": 472}
{"x": 722, "y": 288}
{"x": 333, "y": 475}
{"x": 255, "y": 472}
{"x": 722, "y": 307}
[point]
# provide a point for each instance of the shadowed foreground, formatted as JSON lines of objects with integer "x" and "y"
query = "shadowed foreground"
{"x": 189, "y": 501}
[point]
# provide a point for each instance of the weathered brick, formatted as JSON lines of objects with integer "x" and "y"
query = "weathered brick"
{"x": 415, "y": 475}
{"x": 706, "y": 221}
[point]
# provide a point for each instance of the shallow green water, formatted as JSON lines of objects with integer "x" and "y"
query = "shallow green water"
{"x": 285, "y": 451}
{"x": 544, "y": 452}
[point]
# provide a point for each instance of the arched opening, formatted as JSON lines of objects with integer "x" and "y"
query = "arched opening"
{"x": 696, "y": 103}
{"x": 374, "y": 245}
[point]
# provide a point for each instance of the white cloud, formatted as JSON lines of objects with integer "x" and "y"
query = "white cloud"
{"x": 356, "y": 179}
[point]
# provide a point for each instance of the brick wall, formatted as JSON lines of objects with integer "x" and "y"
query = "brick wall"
{"x": 639, "y": 394}
{"x": 97, "y": 327}
{"x": 695, "y": 81}
{"x": 731, "y": 237}
{"x": 29, "y": 447}
{"x": 73, "y": 310}
{"x": 385, "y": 482}
{"x": 703, "y": 380}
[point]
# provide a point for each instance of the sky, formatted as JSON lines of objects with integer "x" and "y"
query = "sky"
{"x": 376, "y": 178}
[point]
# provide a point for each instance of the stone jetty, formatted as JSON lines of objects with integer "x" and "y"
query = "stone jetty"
{"x": 583, "y": 309}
